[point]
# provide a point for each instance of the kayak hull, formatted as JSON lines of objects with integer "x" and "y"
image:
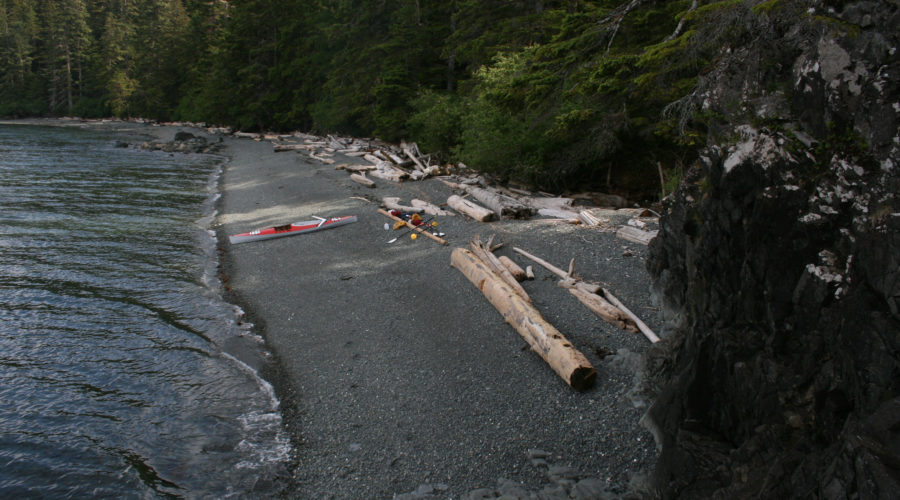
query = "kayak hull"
{"x": 291, "y": 229}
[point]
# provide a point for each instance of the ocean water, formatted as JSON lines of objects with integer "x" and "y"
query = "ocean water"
{"x": 123, "y": 371}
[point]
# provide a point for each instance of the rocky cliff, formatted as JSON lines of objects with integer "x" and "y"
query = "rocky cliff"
{"x": 777, "y": 266}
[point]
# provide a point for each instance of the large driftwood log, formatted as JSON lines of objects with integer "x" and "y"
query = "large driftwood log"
{"x": 544, "y": 339}
{"x": 651, "y": 336}
{"x": 429, "y": 208}
{"x": 486, "y": 254}
{"x": 473, "y": 210}
{"x": 505, "y": 206}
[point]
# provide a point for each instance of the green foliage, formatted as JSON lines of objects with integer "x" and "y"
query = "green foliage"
{"x": 437, "y": 122}
{"x": 561, "y": 93}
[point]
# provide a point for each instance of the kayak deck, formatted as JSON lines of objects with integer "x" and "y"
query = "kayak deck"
{"x": 291, "y": 229}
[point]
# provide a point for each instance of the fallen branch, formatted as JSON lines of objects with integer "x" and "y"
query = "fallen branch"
{"x": 583, "y": 288}
{"x": 544, "y": 339}
{"x": 429, "y": 208}
{"x": 635, "y": 235}
{"x": 651, "y": 336}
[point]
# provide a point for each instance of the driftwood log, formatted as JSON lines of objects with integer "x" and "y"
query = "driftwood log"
{"x": 544, "y": 339}
{"x": 586, "y": 290}
{"x": 471, "y": 209}
{"x": 393, "y": 203}
{"x": 517, "y": 272}
{"x": 635, "y": 235}
{"x": 362, "y": 179}
{"x": 485, "y": 252}
{"x": 504, "y": 206}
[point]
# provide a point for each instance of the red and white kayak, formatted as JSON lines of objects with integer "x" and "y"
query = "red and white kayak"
{"x": 292, "y": 229}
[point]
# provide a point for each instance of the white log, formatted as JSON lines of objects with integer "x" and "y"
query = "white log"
{"x": 393, "y": 203}
{"x": 514, "y": 269}
{"x": 651, "y": 336}
{"x": 501, "y": 204}
{"x": 362, "y": 179}
{"x": 470, "y": 209}
{"x": 636, "y": 235}
{"x": 429, "y": 208}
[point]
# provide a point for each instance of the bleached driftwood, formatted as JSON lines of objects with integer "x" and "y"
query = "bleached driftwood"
{"x": 471, "y": 209}
{"x": 650, "y": 334}
{"x": 485, "y": 252}
{"x": 514, "y": 269}
{"x": 429, "y": 208}
{"x": 544, "y": 338}
{"x": 583, "y": 291}
{"x": 282, "y": 148}
{"x": 635, "y": 235}
{"x": 362, "y": 179}
{"x": 354, "y": 168}
{"x": 393, "y": 203}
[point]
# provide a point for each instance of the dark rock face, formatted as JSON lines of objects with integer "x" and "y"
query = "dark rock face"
{"x": 778, "y": 268}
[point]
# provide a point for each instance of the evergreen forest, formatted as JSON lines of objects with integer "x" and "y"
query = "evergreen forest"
{"x": 548, "y": 93}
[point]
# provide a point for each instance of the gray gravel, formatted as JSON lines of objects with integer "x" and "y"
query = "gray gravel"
{"x": 399, "y": 378}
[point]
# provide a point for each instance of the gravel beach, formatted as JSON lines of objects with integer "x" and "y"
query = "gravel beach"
{"x": 398, "y": 378}
{"x": 403, "y": 380}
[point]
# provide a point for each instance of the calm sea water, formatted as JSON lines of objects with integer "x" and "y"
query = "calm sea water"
{"x": 123, "y": 372}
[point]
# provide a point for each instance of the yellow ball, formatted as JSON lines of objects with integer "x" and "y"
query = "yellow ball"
{"x": 414, "y": 236}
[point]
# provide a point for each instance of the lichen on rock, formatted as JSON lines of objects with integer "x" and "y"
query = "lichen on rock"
{"x": 777, "y": 268}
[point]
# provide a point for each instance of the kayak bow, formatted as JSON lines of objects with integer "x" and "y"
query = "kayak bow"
{"x": 291, "y": 229}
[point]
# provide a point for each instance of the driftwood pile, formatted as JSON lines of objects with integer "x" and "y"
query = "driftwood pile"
{"x": 631, "y": 224}
{"x": 377, "y": 159}
{"x": 474, "y": 196}
{"x": 498, "y": 278}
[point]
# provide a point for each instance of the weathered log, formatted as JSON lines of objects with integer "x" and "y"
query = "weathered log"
{"x": 354, "y": 168}
{"x": 636, "y": 235}
{"x": 282, "y": 148}
{"x": 651, "y": 336}
{"x": 484, "y": 252}
{"x": 429, "y": 208}
{"x": 517, "y": 272}
{"x": 471, "y": 209}
{"x": 592, "y": 289}
{"x": 413, "y": 227}
{"x": 600, "y": 306}
{"x": 362, "y": 179}
{"x": 504, "y": 206}
{"x": 393, "y": 203}
{"x": 544, "y": 338}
